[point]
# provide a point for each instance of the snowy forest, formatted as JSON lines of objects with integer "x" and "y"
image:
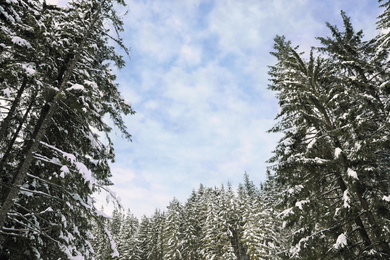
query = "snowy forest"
{"x": 327, "y": 192}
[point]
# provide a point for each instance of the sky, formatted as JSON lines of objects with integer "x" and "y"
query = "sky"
{"x": 197, "y": 79}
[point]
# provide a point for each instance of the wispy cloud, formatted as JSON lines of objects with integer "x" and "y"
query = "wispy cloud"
{"x": 198, "y": 81}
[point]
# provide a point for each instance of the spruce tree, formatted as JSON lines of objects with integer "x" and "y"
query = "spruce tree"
{"x": 173, "y": 231}
{"x": 192, "y": 226}
{"x": 331, "y": 159}
{"x": 218, "y": 231}
{"x": 260, "y": 235}
{"x": 144, "y": 235}
{"x": 60, "y": 88}
{"x": 126, "y": 241}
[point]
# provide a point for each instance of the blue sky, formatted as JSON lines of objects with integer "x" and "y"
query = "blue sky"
{"x": 198, "y": 79}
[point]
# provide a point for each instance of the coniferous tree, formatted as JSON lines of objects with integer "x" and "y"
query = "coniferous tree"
{"x": 60, "y": 88}
{"x": 150, "y": 243}
{"x": 192, "y": 226}
{"x": 173, "y": 231}
{"x": 156, "y": 237}
{"x": 331, "y": 159}
{"x": 259, "y": 221}
{"x": 100, "y": 243}
{"x": 218, "y": 231}
{"x": 116, "y": 223}
{"x": 126, "y": 241}
{"x": 213, "y": 223}
{"x": 144, "y": 236}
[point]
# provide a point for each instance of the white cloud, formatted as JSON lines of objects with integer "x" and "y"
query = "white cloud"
{"x": 190, "y": 55}
{"x": 160, "y": 28}
{"x": 198, "y": 79}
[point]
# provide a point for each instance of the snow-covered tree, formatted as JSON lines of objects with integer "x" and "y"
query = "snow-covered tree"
{"x": 217, "y": 240}
{"x": 126, "y": 241}
{"x": 261, "y": 235}
{"x": 57, "y": 88}
{"x": 332, "y": 159}
{"x": 173, "y": 231}
{"x": 101, "y": 245}
{"x": 195, "y": 217}
{"x": 214, "y": 223}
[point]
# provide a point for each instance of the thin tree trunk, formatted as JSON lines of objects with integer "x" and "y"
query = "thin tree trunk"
{"x": 5, "y": 124}
{"x": 11, "y": 143}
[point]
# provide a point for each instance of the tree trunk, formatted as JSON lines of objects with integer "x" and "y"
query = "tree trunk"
{"x": 8, "y": 118}
{"x": 10, "y": 145}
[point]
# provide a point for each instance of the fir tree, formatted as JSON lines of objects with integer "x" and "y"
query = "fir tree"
{"x": 173, "y": 231}
{"x": 334, "y": 117}
{"x": 126, "y": 241}
{"x": 192, "y": 226}
{"x": 218, "y": 230}
{"x": 60, "y": 90}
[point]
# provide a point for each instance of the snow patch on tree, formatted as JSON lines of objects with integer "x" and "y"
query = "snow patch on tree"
{"x": 29, "y": 69}
{"x": 77, "y": 87}
{"x": 311, "y": 144}
{"x": 340, "y": 242}
{"x": 299, "y": 204}
{"x": 346, "y": 199}
{"x": 296, "y": 188}
{"x": 286, "y": 213}
{"x": 70, "y": 157}
{"x": 295, "y": 250}
{"x": 49, "y": 209}
{"x": 351, "y": 173}
{"x": 337, "y": 152}
{"x": 101, "y": 213}
{"x": 7, "y": 92}
{"x": 86, "y": 173}
{"x": 21, "y": 42}
{"x": 64, "y": 170}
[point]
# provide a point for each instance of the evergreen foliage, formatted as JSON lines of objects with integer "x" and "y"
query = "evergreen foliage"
{"x": 333, "y": 159}
{"x": 56, "y": 86}
{"x": 214, "y": 223}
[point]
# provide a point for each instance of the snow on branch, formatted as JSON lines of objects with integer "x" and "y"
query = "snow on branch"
{"x": 110, "y": 195}
{"x": 46, "y": 159}
{"x": 300, "y": 204}
{"x": 83, "y": 170}
{"x": 76, "y": 87}
{"x": 346, "y": 199}
{"x": 66, "y": 155}
{"x": 337, "y": 152}
{"x": 21, "y": 42}
{"x": 340, "y": 242}
{"x": 353, "y": 174}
